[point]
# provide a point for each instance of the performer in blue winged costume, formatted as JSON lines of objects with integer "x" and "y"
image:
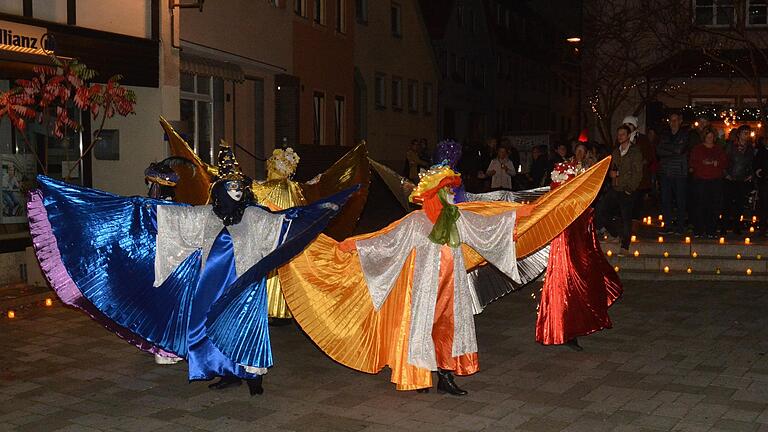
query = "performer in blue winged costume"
{"x": 150, "y": 270}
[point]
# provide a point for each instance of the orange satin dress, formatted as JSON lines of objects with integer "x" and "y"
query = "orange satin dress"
{"x": 327, "y": 293}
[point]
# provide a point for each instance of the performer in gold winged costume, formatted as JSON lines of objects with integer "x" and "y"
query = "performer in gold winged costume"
{"x": 398, "y": 297}
{"x": 279, "y": 191}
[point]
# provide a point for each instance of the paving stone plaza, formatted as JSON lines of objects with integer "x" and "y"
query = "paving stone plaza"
{"x": 682, "y": 356}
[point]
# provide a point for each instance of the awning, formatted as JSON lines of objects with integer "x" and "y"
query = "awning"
{"x": 208, "y": 67}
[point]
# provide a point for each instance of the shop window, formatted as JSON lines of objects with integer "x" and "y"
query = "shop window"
{"x": 397, "y": 93}
{"x": 196, "y": 123}
{"x": 108, "y": 146}
{"x": 361, "y": 11}
{"x": 339, "y": 119}
{"x": 341, "y": 16}
{"x": 380, "y": 91}
{"x": 413, "y": 96}
{"x": 50, "y": 10}
{"x": 318, "y": 106}
{"x": 12, "y": 7}
{"x": 396, "y": 21}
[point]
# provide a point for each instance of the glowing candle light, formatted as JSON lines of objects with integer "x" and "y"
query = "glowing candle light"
{"x": 609, "y": 253}
{"x": 666, "y": 269}
{"x": 48, "y": 302}
{"x": 688, "y": 240}
{"x": 637, "y": 253}
{"x": 661, "y": 217}
{"x": 722, "y": 240}
{"x": 662, "y": 225}
{"x": 694, "y": 254}
{"x": 741, "y": 218}
{"x": 759, "y": 256}
{"x": 661, "y": 239}
{"x": 633, "y": 238}
{"x": 666, "y": 254}
{"x": 689, "y": 270}
{"x": 754, "y": 219}
{"x": 751, "y": 229}
{"x": 746, "y": 241}
{"x": 749, "y": 272}
{"x": 11, "y": 314}
{"x": 616, "y": 269}
{"x": 738, "y": 256}
{"x": 717, "y": 270}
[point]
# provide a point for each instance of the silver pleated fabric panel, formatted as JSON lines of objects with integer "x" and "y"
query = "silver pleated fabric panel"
{"x": 488, "y": 282}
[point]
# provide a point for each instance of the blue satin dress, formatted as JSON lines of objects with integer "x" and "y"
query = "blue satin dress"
{"x": 99, "y": 249}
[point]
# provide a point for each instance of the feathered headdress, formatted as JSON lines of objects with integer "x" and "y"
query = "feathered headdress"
{"x": 430, "y": 183}
{"x": 282, "y": 164}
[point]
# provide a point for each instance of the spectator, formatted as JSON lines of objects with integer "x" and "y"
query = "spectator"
{"x": 708, "y": 163}
{"x": 626, "y": 173}
{"x": 642, "y": 142}
{"x": 697, "y": 133}
{"x": 673, "y": 154}
{"x": 561, "y": 154}
{"x": 424, "y": 153}
{"x": 514, "y": 155}
{"x": 501, "y": 170}
{"x": 540, "y": 168}
{"x": 761, "y": 175}
{"x": 738, "y": 178}
{"x": 582, "y": 156}
{"x": 413, "y": 161}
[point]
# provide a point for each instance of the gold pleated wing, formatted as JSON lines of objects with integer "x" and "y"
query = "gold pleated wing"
{"x": 326, "y": 290}
{"x": 193, "y": 187}
{"x": 353, "y": 168}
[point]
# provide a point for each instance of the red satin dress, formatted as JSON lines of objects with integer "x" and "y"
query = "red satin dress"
{"x": 579, "y": 288}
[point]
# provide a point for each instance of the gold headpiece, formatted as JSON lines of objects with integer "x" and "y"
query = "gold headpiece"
{"x": 282, "y": 164}
{"x": 228, "y": 168}
{"x": 429, "y": 180}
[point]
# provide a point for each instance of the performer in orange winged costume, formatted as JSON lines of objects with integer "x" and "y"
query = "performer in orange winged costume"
{"x": 398, "y": 297}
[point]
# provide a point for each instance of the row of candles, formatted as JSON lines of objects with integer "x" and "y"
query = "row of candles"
{"x": 11, "y": 314}
{"x": 688, "y": 270}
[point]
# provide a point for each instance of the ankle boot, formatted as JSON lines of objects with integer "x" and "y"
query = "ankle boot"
{"x": 254, "y": 386}
{"x": 574, "y": 345}
{"x": 225, "y": 382}
{"x": 446, "y": 384}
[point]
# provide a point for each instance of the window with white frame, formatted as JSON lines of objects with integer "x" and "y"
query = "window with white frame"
{"x": 413, "y": 96}
{"x": 715, "y": 13}
{"x": 361, "y": 11}
{"x": 757, "y": 11}
{"x": 319, "y": 12}
{"x": 341, "y": 16}
{"x": 300, "y": 8}
{"x": 338, "y": 123}
{"x": 428, "y": 98}
{"x": 318, "y": 122}
{"x": 397, "y": 93}
{"x": 196, "y": 114}
{"x": 396, "y": 20}
{"x": 380, "y": 91}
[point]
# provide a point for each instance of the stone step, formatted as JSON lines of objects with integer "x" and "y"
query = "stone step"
{"x": 699, "y": 264}
{"x": 684, "y": 276}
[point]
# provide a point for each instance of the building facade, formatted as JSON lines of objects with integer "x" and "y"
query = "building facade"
{"x": 395, "y": 79}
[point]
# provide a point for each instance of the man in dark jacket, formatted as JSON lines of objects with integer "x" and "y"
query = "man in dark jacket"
{"x": 673, "y": 152}
{"x": 738, "y": 178}
{"x": 626, "y": 173}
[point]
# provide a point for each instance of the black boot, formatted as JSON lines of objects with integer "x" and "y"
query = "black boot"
{"x": 225, "y": 382}
{"x": 446, "y": 384}
{"x": 254, "y": 386}
{"x": 574, "y": 345}
{"x": 422, "y": 390}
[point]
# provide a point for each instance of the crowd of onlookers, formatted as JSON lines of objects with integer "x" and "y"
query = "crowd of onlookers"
{"x": 703, "y": 182}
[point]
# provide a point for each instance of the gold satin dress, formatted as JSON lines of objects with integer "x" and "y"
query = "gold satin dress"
{"x": 279, "y": 192}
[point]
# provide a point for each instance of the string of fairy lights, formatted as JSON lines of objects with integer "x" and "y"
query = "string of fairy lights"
{"x": 659, "y": 223}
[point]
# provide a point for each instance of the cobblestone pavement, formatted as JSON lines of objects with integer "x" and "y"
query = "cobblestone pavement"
{"x": 682, "y": 356}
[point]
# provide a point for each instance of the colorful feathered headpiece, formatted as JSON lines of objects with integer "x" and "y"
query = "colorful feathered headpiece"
{"x": 430, "y": 182}
{"x": 282, "y": 164}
